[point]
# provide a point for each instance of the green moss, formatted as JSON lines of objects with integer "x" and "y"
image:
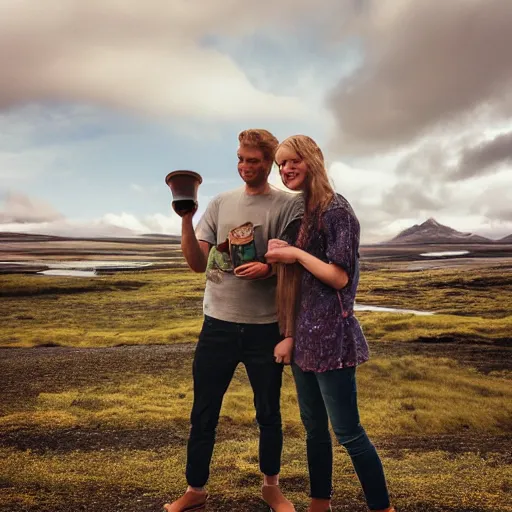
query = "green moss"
{"x": 135, "y": 308}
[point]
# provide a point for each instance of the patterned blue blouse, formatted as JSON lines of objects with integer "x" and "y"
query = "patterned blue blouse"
{"x": 327, "y": 335}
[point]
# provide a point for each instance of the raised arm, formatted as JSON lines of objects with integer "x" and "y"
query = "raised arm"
{"x": 195, "y": 251}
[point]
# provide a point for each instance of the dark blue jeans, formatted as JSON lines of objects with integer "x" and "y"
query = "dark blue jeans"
{"x": 221, "y": 347}
{"x": 333, "y": 395}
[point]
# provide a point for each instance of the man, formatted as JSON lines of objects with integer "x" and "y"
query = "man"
{"x": 240, "y": 318}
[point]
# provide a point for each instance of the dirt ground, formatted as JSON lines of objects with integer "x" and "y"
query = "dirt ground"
{"x": 26, "y": 372}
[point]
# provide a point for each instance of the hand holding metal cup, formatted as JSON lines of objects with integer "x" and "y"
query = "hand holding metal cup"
{"x": 184, "y": 185}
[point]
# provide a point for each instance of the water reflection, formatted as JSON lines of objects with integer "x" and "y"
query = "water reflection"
{"x": 72, "y": 273}
{"x": 444, "y": 253}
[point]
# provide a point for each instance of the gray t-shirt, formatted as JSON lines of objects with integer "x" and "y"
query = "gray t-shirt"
{"x": 226, "y": 296}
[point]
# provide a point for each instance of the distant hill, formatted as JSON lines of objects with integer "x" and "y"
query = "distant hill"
{"x": 176, "y": 238}
{"x": 6, "y": 236}
{"x": 150, "y": 238}
{"x": 431, "y": 232}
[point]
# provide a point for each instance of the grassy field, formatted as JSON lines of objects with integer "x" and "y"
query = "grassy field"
{"x": 165, "y": 307}
{"x": 105, "y": 429}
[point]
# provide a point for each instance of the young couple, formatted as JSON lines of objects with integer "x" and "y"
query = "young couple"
{"x": 311, "y": 240}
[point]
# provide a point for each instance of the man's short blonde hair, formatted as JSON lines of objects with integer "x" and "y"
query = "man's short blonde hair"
{"x": 260, "y": 139}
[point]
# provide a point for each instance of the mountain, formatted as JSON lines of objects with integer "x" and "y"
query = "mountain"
{"x": 431, "y": 232}
{"x": 505, "y": 240}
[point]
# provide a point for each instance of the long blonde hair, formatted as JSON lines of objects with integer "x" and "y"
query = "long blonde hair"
{"x": 318, "y": 194}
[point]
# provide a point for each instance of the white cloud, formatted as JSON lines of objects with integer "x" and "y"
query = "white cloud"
{"x": 156, "y": 223}
{"x": 364, "y": 185}
{"x": 110, "y": 224}
{"x": 19, "y": 208}
{"x": 148, "y": 57}
{"x": 389, "y": 196}
{"x": 21, "y": 213}
{"x": 428, "y": 66}
{"x": 70, "y": 228}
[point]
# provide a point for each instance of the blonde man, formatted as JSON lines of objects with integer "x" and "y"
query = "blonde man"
{"x": 240, "y": 322}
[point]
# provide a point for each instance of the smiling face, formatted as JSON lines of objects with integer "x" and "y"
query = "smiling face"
{"x": 252, "y": 166}
{"x": 292, "y": 168}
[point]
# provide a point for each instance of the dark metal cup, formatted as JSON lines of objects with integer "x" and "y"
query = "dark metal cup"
{"x": 184, "y": 185}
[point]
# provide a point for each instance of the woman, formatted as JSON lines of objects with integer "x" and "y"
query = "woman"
{"x": 316, "y": 292}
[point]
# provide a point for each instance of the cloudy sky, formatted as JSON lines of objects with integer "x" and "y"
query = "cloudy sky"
{"x": 410, "y": 99}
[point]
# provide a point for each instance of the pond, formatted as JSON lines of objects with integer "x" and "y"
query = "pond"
{"x": 76, "y": 268}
